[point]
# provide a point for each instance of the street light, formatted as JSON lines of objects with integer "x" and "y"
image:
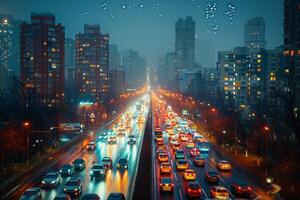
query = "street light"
{"x": 267, "y": 130}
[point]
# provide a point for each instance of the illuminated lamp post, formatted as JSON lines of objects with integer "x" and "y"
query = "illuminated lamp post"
{"x": 266, "y": 131}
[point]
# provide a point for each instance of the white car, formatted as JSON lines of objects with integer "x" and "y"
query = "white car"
{"x": 32, "y": 194}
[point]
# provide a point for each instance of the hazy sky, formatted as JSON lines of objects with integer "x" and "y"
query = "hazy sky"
{"x": 148, "y": 25}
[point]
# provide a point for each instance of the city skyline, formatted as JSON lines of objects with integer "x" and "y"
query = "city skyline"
{"x": 118, "y": 19}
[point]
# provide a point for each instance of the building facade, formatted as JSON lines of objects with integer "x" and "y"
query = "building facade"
{"x": 92, "y": 60}
{"x": 292, "y": 46}
{"x": 185, "y": 42}
{"x": 42, "y": 51}
{"x": 114, "y": 57}
{"x": 117, "y": 82}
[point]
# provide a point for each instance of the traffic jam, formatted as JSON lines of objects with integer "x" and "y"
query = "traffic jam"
{"x": 186, "y": 166}
{"x": 106, "y": 166}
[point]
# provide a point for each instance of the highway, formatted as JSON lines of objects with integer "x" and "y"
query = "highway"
{"x": 237, "y": 173}
{"x": 116, "y": 180}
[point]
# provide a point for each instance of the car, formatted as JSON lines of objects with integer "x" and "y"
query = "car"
{"x": 199, "y": 161}
{"x": 111, "y": 132}
{"x": 160, "y": 144}
{"x": 172, "y": 141}
{"x": 131, "y": 139}
{"x": 224, "y": 165}
{"x": 179, "y": 154}
{"x": 183, "y": 137}
{"x": 51, "y": 180}
{"x": 241, "y": 189}
{"x": 190, "y": 144}
{"x": 181, "y": 164}
{"x": 73, "y": 187}
{"x": 160, "y": 150}
{"x": 121, "y": 132}
{"x": 107, "y": 162}
{"x": 62, "y": 197}
{"x": 103, "y": 136}
{"x": 219, "y": 192}
{"x": 211, "y": 176}
{"x": 197, "y": 136}
{"x": 166, "y": 184}
{"x": 193, "y": 189}
{"x": 176, "y": 146}
{"x": 165, "y": 168}
{"x": 91, "y": 146}
{"x": 163, "y": 157}
{"x": 189, "y": 175}
{"x": 194, "y": 152}
{"x": 97, "y": 171}
{"x": 90, "y": 197}
{"x": 67, "y": 170}
{"x": 159, "y": 138}
{"x": 112, "y": 140}
{"x": 116, "y": 196}
{"x": 34, "y": 193}
{"x": 122, "y": 163}
{"x": 79, "y": 164}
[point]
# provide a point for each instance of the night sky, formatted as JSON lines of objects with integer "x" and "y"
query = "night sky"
{"x": 148, "y": 25}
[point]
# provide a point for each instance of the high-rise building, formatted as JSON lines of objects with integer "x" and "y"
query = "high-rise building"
{"x": 42, "y": 51}
{"x": 233, "y": 77}
{"x": 292, "y": 46}
{"x": 254, "y": 34}
{"x": 69, "y": 53}
{"x": 9, "y": 49}
{"x": 116, "y": 82}
{"x": 210, "y": 84}
{"x": 92, "y": 60}
{"x": 185, "y": 42}
{"x": 114, "y": 57}
{"x": 135, "y": 68}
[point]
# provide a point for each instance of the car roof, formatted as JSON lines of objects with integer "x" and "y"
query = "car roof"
{"x": 220, "y": 187}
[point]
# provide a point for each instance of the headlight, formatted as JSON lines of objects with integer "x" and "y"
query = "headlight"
{"x": 52, "y": 182}
{"x": 101, "y": 172}
{"x": 69, "y": 170}
{"x": 65, "y": 189}
{"x": 80, "y": 165}
{"x": 91, "y": 172}
{"x": 60, "y": 171}
{"x": 43, "y": 182}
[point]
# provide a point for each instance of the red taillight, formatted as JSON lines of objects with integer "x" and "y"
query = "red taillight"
{"x": 160, "y": 184}
{"x": 172, "y": 185}
{"x": 249, "y": 188}
{"x": 189, "y": 190}
{"x": 199, "y": 190}
{"x": 239, "y": 188}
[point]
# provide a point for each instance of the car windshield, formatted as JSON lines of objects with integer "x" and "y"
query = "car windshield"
{"x": 194, "y": 186}
{"x": 182, "y": 161}
{"x": 166, "y": 180}
{"x": 98, "y": 167}
{"x": 212, "y": 173}
{"x": 123, "y": 161}
{"x": 72, "y": 183}
{"x": 131, "y": 136}
{"x": 78, "y": 161}
{"x": 67, "y": 166}
{"x": 115, "y": 197}
{"x": 106, "y": 159}
{"x": 29, "y": 193}
{"x": 50, "y": 176}
{"x": 221, "y": 190}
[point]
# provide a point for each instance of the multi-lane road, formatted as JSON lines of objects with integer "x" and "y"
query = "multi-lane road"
{"x": 116, "y": 180}
{"x": 236, "y": 174}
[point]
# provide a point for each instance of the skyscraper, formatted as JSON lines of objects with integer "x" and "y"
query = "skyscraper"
{"x": 69, "y": 53}
{"x": 114, "y": 57}
{"x": 292, "y": 45}
{"x": 135, "y": 68}
{"x": 254, "y": 34}
{"x": 42, "y": 57}
{"x": 185, "y": 42}
{"x": 116, "y": 82}
{"x": 9, "y": 49}
{"x": 92, "y": 60}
